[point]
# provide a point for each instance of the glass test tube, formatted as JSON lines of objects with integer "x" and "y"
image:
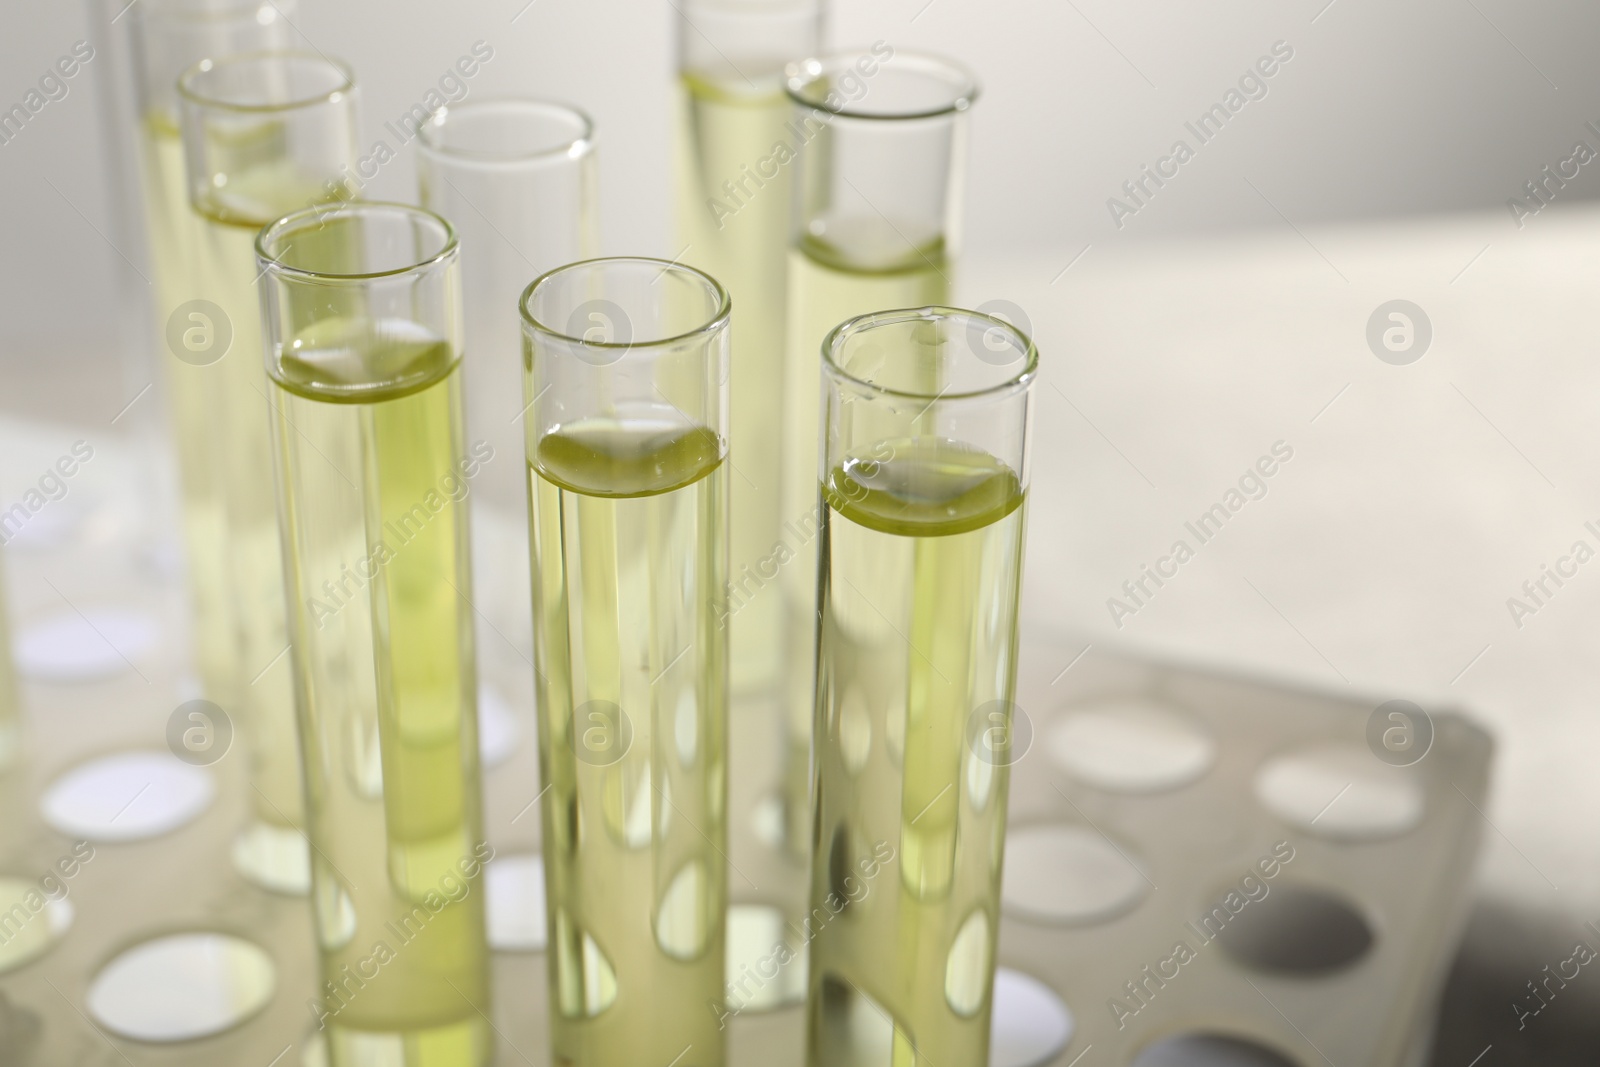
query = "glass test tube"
{"x": 924, "y": 477}
{"x": 169, "y": 37}
{"x": 626, "y": 369}
{"x": 264, "y": 133}
{"x": 735, "y": 147}
{"x": 362, "y": 306}
{"x": 517, "y": 179}
{"x": 876, "y": 226}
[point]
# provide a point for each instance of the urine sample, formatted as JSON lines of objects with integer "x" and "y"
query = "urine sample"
{"x": 363, "y": 316}
{"x": 628, "y": 488}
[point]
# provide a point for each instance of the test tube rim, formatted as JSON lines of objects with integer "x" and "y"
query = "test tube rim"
{"x": 576, "y": 148}
{"x": 206, "y": 12}
{"x": 801, "y": 74}
{"x": 449, "y": 247}
{"x": 1020, "y": 382}
{"x": 186, "y": 89}
{"x": 718, "y": 320}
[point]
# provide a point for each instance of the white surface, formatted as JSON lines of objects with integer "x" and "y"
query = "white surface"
{"x": 129, "y": 796}
{"x": 1030, "y": 1024}
{"x": 1067, "y": 874}
{"x": 1340, "y": 792}
{"x": 1381, "y": 560}
{"x": 73, "y": 647}
{"x": 182, "y": 987}
{"x": 515, "y": 885}
{"x": 498, "y": 731}
{"x": 1132, "y": 745}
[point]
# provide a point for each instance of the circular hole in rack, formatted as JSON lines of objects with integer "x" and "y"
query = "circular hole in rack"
{"x": 85, "y": 647}
{"x": 1341, "y": 792}
{"x": 1210, "y": 1050}
{"x": 1299, "y": 930}
{"x": 1131, "y": 745}
{"x": 182, "y": 987}
{"x": 31, "y": 921}
{"x": 1067, "y": 874}
{"x": 766, "y": 966}
{"x": 128, "y": 796}
{"x": 1030, "y": 1025}
{"x": 515, "y": 887}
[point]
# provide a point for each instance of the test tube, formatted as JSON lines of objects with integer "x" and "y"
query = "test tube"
{"x": 362, "y": 307}
{"x": 877, "y": 226}
{"x": 735, "y": 150}
{"x": 264, "y": 133}
{"x": 168, "y": 37}
{"x": 517, "y": 179}
{"x": 626, "y": 369}
{"x": 924, "y": 480}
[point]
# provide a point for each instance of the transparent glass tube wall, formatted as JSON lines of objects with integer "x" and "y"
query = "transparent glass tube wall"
{"x": 876, "y": 227}
{"x": 517, "y": 179}
{"x": 168, "y": 37}
{"x": 626, "y": 365}
{"x": 735, "y": 148}
{"x": 362, "y": 307}
{"x": 923, "y": 485}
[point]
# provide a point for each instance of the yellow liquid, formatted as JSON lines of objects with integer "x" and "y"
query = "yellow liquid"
{"x": 374, "y": 498}
{"x": 237, "y": 430}
{"x": 740, "y": 235}
{"x": 824, "y": 290}
{"x": 194, "y": 396}
{"x": 629, "y": 564}
{"x": 918, "y": 642}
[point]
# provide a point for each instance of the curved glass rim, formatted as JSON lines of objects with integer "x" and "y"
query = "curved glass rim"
{"x": 802, "y": 74}
{"x": 187, "y": 90}
{"x": 350, "y": 208}
{"x": 718, "y": 318}
{"x": 202, "y": 12}
{"x": 850, "y": 328}
{"x": 429, "y": 140}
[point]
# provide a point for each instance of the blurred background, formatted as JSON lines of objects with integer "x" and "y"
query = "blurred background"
{"x": 1184, "y": 331}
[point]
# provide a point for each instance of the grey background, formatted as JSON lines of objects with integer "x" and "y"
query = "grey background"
{"x": 1386, "y": 109}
